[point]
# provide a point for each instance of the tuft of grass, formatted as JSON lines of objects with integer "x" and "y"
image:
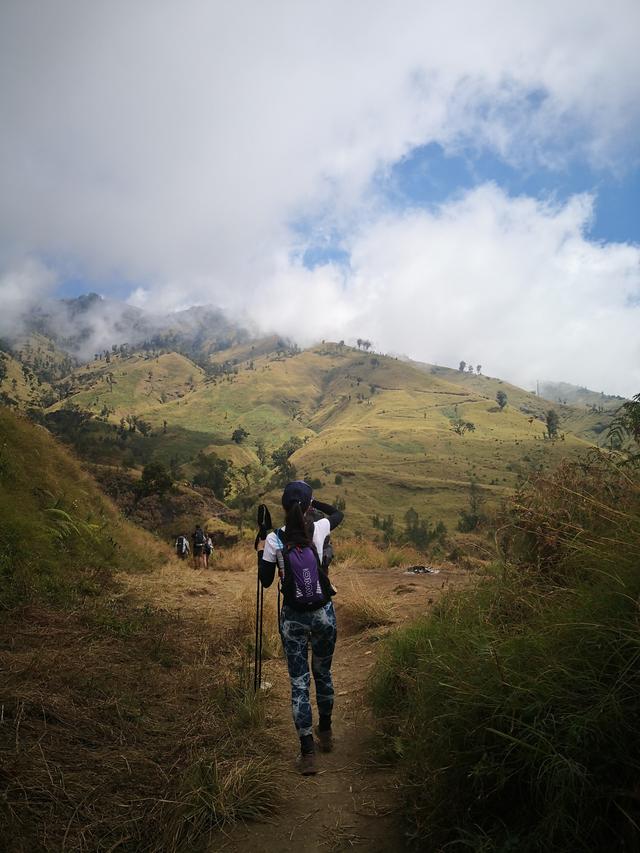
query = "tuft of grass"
{"x": 214, "y": 794}
{"x": 365, "y": 608}
{"x": 138, "y": 734}
{"x": 404, "y": 555}
{"x": 357, "y": 552}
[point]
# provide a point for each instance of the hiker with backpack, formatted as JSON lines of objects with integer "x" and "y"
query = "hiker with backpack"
{"x": 182, "y": 547}
{"x": 307, "y": 615}
{"x": 208, "y": 549}
{"x": 199, "y": 542}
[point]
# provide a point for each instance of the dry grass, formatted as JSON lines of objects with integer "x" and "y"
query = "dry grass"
{"x": 403, "y": 555}
{"x": 119, "y": 723}
{"x": 237, "y": 558}
{"x": 216, "y": 794}
{"x": 364, "y": 608}
{"x": 271, "y": 642}
{"x": 358, "y": 552}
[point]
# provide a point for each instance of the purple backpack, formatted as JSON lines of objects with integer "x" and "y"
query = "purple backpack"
{"x": 304, "y": 585}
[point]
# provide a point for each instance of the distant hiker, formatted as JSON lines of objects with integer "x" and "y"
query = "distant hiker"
{"x": 208, "y": 549}
{"x": 307, "y": 613}
{"x": 182, "y": 547}
{"x": 199, "y": 541}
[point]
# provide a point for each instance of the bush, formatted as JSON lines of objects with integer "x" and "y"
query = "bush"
{"x": 514, "y": 709}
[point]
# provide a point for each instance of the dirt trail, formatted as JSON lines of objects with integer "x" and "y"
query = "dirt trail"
{"x": 349, "y": 802}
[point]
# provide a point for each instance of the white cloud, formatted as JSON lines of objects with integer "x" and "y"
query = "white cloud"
{"x": 512, "y": 284}
{"x": 171, "y": 144}
{"x": 22, "y": 288}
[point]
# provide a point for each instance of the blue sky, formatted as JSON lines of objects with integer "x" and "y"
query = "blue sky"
{"x": 429, "y": 176}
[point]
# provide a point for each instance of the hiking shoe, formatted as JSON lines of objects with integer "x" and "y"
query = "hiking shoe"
{"x": 324, "y": 739}
{"x": 306, "y": 763}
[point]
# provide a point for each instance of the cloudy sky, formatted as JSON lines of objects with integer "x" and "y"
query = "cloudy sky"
{"x": 452, "y": 180}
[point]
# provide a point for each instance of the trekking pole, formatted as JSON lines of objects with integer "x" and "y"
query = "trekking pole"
{"x": 264, "y": 525}
{"x": 257, "y": 656}
{"x": 261, "y": 635}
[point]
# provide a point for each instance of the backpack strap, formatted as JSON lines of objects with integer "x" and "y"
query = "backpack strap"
{"x": 278, "y": 534}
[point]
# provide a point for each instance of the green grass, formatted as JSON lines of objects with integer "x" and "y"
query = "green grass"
{"x": 59, "y": 536}
{"x": 513, "y": 710}
{"x": 387, "y": 421}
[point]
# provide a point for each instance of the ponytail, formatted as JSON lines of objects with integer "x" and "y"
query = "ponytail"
{"x": 298, "y": 530}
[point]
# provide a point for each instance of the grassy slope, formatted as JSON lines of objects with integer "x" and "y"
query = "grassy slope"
{"x": 577, "y": 417}
{"x": 60, "y": 538}
{"x": 24, "y": 393}
{"x": 123, "y": 726}
{"x": 139, "y": 382}
{"x": 383, "y": 424}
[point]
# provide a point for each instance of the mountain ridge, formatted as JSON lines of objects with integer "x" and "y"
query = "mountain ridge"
{"x": 412, "y": 436}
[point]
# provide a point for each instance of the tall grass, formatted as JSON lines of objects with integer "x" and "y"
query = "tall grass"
{"x": 365, "y": 553}
{"x": 514, "y": 709}
{"x": 363, "y": 607}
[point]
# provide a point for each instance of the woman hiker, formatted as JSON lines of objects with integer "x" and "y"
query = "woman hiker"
{"x": 305, "y": 618}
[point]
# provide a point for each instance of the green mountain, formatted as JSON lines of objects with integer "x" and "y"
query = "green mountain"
{"x": 379, "y": 434}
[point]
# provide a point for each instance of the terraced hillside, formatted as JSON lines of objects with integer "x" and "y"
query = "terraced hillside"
{"x": 381, "y": 434}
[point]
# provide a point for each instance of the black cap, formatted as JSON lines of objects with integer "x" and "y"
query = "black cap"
{"x": 297, "y": 492}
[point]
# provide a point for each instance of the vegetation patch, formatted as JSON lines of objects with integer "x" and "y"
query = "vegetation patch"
{"x": 513, "y": 709}
{"x": 122, "y": 727}
{"x": 364, "y": 608}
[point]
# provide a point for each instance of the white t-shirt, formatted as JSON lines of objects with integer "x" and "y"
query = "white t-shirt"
{"x": 321, "y": 530}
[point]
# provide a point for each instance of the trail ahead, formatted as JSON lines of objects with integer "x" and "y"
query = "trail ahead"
{"x": 350, "y": 801}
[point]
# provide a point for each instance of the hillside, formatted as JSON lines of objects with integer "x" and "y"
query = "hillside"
{"x": 60, "y": 537}
{"x": 116, "y": 708}
{"x": 378, "y": 433}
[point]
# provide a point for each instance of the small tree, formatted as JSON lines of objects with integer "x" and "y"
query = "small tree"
{"x": 471, "y": 517}
{"x": 386, "y": 525}
{"x": 553, "y": 422}
{"x": 238, "y": 435}
{"x": 156, "y": 480}
{"x": 626, "y": 424}
{"x": 212, "y": 472}
{"x": 285, "y": 470}
{"x": 478, "y": 369}
{"x": 501, "y": 399}
{"x": 461, "y": 426}
{"x": 261, "y": 453}
{"x": 462, "y": 366}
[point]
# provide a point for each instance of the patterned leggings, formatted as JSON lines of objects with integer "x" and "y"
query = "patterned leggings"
{"x": 298, "y": 628}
